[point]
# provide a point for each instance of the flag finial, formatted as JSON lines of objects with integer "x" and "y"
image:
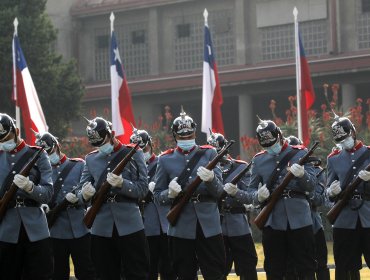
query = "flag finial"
{"x": 15, "y": 23}
{"x": 111, "y": 18}
{"x": 295, "y": 12}
{"x": 205, "y": 15}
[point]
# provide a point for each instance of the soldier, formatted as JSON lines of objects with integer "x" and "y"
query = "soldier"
{"x": 236, "y": 232}
{"x": 196, "y": 238}
{"x": 25, "y": 251}
{"x": 317, "y": 198}
{"x": 69, "y": 235}
{"x": 351, "y": 231}
{"x": 155, "y": 221}
{"x": 118, "y": 237}
{"x": 288, "y": 230}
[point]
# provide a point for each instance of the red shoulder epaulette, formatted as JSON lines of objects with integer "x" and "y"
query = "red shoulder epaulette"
{"x": 131, "y": 145}
{"x": 240, "y": 161}
{"x": 299, "y": 147}
{"x": 206, "y": 147}
{"x": 168, "y": 152}
{"x": 333, "y": 153}
{"x": 76, "y": 159}
{"x": 34, "y": 147}
{"x": 93, "y": 152}
{"x": 260, "y": 153}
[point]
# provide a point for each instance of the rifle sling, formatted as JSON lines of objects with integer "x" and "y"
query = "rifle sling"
{"x": 355, "y": 166}
{"x": 15, "y": 170}
{"x": 189, "y": 167}
{"x": 60, "y": 180}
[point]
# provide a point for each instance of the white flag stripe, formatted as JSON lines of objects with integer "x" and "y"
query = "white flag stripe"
{"x": 116, "y": 83}
{"x": 209, "y": 85}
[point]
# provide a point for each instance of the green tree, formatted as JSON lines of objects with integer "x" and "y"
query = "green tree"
{"x": 57, "y": 82}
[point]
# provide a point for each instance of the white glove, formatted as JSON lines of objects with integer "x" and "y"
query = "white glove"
{"x": 334, "y": 188}
{"x": 151, "y": 186}
{"x": 364, "y": 175}
{"x": 205, "y": 174}
{"x": 23, "y": 183}
{"x": 45, "y": 208}
{"x": 263, "y": 193}
{"x": 88, "y": 191}
{"x": 115, "y": 180}
{"x": 231, "y": 189}
{"x": 297, "y": 170}
{"x": 173, "y": 188}
{"x": 71, "y": 197}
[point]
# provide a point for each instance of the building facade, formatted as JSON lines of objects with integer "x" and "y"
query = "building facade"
{"x": 161, "y": 46}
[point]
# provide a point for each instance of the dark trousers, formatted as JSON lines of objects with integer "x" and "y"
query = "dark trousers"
{"x": 279, "y": 246}
{"x": 79, "y": 250}
{"x": 240, "y": 250}
{"x": 26, "y": 260}
{"x": 159, "y": 258}
{"x": 131, "y": 251}
{"x": 206, "y": 253}
{"x": 348, "y": 246}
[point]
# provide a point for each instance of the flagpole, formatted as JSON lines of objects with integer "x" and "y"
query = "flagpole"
{"x": 298, "y": 73}
{"x": 17, "y": 109}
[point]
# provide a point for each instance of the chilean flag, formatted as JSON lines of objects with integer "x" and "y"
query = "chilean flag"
{"x": 122, "y": 114}
{"x": 211, "y": 93}
{"x": 25, "y": 95}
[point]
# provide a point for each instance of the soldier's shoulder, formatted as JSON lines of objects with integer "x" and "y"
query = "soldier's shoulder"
{"x": 334, "y": 153}
{"x": 76, "y": 159}
{"x": 92, "y": 153}
{"x": 298, "y": 147}
{"x": 239, "y": 161}
{"x": 206, "y": 147}
{"x": 167, "y": 152}
{"x": 129, "y": 145}
{"x": 260, "y": 153}
{"x": 37, "y": 148}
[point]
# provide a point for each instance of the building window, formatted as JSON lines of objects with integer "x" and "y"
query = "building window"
{"x": 101, "y": 57}
{"x": 138, "y": 37}
{"x": 102, "y": 41}
{"x": 183, "y": 30}
{"x": 365, "y": 6}
{"x": 363, "y": 24}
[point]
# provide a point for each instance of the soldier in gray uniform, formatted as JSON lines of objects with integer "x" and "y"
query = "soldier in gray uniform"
{"x": 69, "y": 235}
{"x": 351, "y": 233}
{"x": 196, "y": 239}
{"x": 118, "y": 237}
{"x": 238, "y": 241}
{"x": 288, "y": 230}
{"x": 25, "y": 251}
{"x": 154, "y": 214}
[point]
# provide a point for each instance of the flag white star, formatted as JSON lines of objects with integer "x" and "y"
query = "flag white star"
{"x": 116, "y": 55}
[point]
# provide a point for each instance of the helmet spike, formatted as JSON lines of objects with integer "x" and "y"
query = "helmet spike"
{"x": 182, "y": 113}
{"x": 259, "y": 119}
{"x": 134, "y": 129}
{"x": 335, "y": 116}
{"x": 37, "y": 134}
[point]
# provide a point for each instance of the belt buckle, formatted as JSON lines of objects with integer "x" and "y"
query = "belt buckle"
{"x": 196, "y": 198}
{"x": 19, "y": 202}
{"x": 287, "y": 194}
{"x": 357, "y": 196}
{"x": 111, "y": 199}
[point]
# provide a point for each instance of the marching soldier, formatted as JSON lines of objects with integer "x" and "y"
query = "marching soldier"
{"x": 25, "y": 251}
{"x": 69, "y": 235}
{"x": 155, "y": 221}
{"x": 118, "y": 232}
{"x": 288, "y": 230}
{"x": 351, "y": 232}
{"x": 238, "y": 241}
{"x": 196, "y": 238}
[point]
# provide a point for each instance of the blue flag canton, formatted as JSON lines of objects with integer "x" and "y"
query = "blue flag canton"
{"x": 208, "y": 48}
{"x": 301, "y": 49}
{"x": 19, "y": 57}
{"x": 115, "y": 58}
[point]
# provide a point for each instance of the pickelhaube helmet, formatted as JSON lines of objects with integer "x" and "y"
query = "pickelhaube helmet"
{"x": 217, "y": 140}
{"x": 267, "y": 133}
{"x": 140, "y": 136}
{"x": 183, "y": 125}
{"x": 7, "y": 125}
{"x": 46, "y": 140}
{"x": 341, "y": 128}
{"x": 97, "y": 130}
{"x": 293, "y": 141}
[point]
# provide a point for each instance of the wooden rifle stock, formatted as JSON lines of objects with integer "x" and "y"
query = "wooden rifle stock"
{"x": 100, "y": 196}
{"x": 262, "y": 217}
{"x": 185, "y": 195}
{"x": 346, "y": 195}
{"x": 9, "y": 195}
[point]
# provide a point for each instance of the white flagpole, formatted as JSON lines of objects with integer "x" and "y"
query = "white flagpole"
{"x": 17, "y": 109}
{"x": 298, "y": 72}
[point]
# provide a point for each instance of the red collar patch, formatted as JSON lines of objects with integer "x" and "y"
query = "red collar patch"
{"x": 19, "y": 147}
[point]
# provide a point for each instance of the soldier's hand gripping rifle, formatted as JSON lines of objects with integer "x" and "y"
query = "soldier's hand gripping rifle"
{"x": 262, "y": 217}
{"x": 12, "y": 190}
{"x": 344, "y": 197}
{"x": 184, "y": 196}
{"x": 101, "y": 194}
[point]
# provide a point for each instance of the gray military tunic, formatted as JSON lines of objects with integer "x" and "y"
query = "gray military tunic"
{"x": 69, "y": 223}
{"x": 339, "y": 163}
{"x": 125, "y": 215}
{"x": 170, "y": 165}
{"x": 293, "y": 211}
{"x": 33, "y": 218}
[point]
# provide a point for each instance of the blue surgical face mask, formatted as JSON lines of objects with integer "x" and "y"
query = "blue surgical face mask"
{"x": 8, "y": 146}
{"x": 147, "y": 156}
{"x": 186, "y": 145}
{"x": 274, "y": 149}
{"x": 106, "y": 149}
{"x": 348, "y": 143}
{"x": 54, "y": 158}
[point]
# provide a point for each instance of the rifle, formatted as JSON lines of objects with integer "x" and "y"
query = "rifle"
{"x": 262, "y": 217}
{"x": 184, "y": 196}
{"x": 9, "y": 195}
{"x": 346, "y": 195}
{"x": 100, "y": 195}
{"x": 54, "y": 213}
